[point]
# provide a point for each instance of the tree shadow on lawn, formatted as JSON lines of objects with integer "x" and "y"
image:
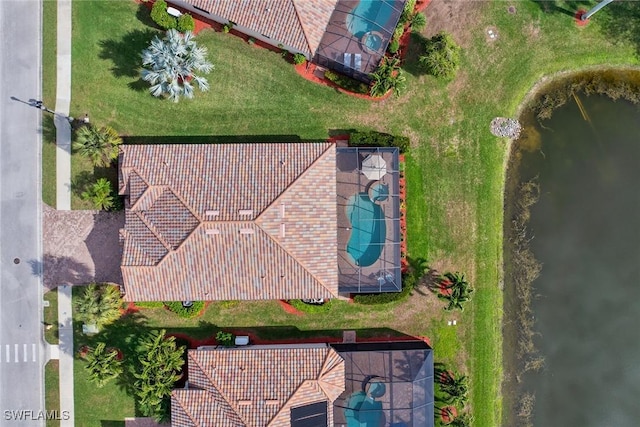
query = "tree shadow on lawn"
{"x": 620, "y": 21}
{"x": 411, "y": 62}
{"x": 125, "y": 53}
{"x": 568, "y": 8}
{"x": 48, "y": 129}
{"x": 144, "y": 15}
{"x": 85, "y": 179}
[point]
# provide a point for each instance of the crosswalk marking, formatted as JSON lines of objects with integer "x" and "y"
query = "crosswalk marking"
{"x": 17, "y": 349}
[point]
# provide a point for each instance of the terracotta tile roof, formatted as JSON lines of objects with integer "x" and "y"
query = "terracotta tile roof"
{"x": 256, "y": 387}
{"x": 230, "y": 221}
{"x": 296, "y": 23}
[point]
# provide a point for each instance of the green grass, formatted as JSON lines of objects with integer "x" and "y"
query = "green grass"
{"x": 49, "y": 42}
{"x": 455, "y": 170}
{"x": 51, "y": 317}
{"x": 52, "y": 389}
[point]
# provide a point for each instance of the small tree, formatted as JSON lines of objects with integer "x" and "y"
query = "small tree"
{"x": 418, "y": 22}
{"x": 100, "y": 194}
{"x": 160, "y": 360}
{"x": 102, "y": 365}
{"x": 456, "y": 386}
{"x": 455, "y": 289}
{"x": 442, "y": 56}
{"x": 98, "y": 144}
{"x": 99, "y": 305}
{"x": 171, "y": 63}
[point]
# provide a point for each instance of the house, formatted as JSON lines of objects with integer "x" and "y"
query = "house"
{"x": 349, "y": 36}
{"x": 258, "y": 221}
{"x": 308, "y": 385}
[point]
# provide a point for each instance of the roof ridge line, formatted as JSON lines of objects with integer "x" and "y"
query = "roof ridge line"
{"x": 183, "y": 407}
{"x": 302, "y": 26}
{"x": 217, "y": 387}
{"x": 154, "y": 231}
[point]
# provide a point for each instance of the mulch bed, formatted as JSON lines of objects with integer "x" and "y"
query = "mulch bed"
{"x": 444, "y": 414}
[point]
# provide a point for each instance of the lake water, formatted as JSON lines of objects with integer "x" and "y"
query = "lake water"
{"x": 587, "y": 236}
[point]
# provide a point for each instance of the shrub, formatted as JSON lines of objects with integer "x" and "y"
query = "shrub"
{"x": 398, "y": 32}
{"x": 227, "y": 27}
{"x": 408, "y": 282}
{"x": 407, "y": 12}
{"x": 442, "y": 56}
{"x": 388, "y": 76}
{"x": 418, "y": 22}
{"x": 379, "y": 139}
{"x": 310, "y": 308}
{"x": 100, "y": 194}
{"x": 225, "y": 338}
{"x": 345, "y": 82}
{"x": 160, "y": 16}
{"x": 150, "y": 304}
{"x": 393, "y": 46}
{"x": 299, "y": 58}
{"x": 251, "y": 40}
{"x": 185, "y": 23}
{"x": 186, "y": 312}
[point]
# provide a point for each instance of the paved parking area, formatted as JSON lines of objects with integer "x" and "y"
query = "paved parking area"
{"x": 81, "y": 247}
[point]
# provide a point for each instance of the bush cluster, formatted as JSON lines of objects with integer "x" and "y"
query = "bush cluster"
{"x": 394, "y": 46}
{"x": 408, "y": 282}
{"x": 345, "y": 82}
{"x": 379, "y": 139}
{"x": 299, "y": 58}
{"x": 186, "y": 312}
{"x": 310, "y": 308}
{"x": 225, "y": 338}
{"x": 442, "y": 56}
{"x": 160, "y": 16}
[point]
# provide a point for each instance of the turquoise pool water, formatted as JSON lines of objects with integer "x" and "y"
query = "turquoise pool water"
{"x": 368, "y": 230}
{"x": 363, "y": 411}
{"x": 379, "y": 192}
{"x": 368, "y": 15}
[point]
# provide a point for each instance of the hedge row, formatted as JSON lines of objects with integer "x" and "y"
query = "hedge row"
{"x": 150, "y": 304}
{"x": 346, "y": 82}
{"x": 408, "y": 282}
{"x": 186, "y": 312}
{"x": 379, "y": 139}
{"x": 160, "y": 16}
{"x": 310, "y": 308}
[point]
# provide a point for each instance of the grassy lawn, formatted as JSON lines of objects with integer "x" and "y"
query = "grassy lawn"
{"x": 52, "y": 389}
{"x": 455, "y": 170}
{"x": 49, "y": 20}
{"x": 51, "y": 317}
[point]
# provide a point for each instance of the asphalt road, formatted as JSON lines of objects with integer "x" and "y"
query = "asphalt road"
{"x": 21, "y": 342}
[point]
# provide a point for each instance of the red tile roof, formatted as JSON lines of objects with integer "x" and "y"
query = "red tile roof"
{"x": 229, "y": 221}
{"x": 299, "y": 24}
{"x": 257, "y": 386}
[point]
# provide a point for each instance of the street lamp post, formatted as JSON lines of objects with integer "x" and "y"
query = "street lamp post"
{"x": 585, "y": 16}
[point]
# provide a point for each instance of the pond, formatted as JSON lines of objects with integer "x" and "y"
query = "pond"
{"x": 586, "y": 234}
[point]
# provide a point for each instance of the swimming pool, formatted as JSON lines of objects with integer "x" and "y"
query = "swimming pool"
{"x": 368, "y": 230}
{"x": 368, "y": 16}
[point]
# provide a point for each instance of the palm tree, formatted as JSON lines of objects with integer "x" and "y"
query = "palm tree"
{"x": 455, "y": 289}
{"x": 100, "y": 194}
{"x": 456, "y": 386}
{"x": 386, "y": 77}
{"x": 98, "y": 144}
{"x": 170, "y": 65}
{"x": 103, "y": 366}
{"x": 99, "y": 305}
{"x": 161, "y": 360}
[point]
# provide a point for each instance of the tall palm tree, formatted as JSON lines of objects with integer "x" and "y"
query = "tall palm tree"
{"x": 455, "y": 289}
{"x": 103, "y": 365}
{"x": 99, "y": 305}
{"x": 170, "y": 65}
{"x": 98, "y": 144}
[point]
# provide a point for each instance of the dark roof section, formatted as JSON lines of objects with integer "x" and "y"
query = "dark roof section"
{"x": 313, "y": 415}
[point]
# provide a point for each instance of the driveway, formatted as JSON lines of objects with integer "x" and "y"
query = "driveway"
{"x": 81, "y": 247}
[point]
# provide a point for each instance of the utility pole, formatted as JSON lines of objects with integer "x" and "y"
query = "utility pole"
{"x": 585, "y": 16}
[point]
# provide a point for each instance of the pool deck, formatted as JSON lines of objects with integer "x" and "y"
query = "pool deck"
{"x": 350, "y": 181}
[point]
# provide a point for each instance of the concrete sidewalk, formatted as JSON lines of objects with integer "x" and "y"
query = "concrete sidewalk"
{"x": 63, "y": 100}
{"x": 65, "y": 354}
